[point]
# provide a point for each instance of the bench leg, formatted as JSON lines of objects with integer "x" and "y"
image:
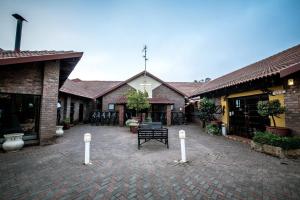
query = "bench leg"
{"x": 167, "y": 143}
{"x": 139, "y": 144}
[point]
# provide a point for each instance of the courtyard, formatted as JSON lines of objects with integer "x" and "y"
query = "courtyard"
{"x": 218, "y": 168}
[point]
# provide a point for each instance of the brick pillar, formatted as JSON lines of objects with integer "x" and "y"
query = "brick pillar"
{"x": 169, "y": 115}
{"x": 121, "y": 115}
{"x": 48, "y": 113}
{"x": 76, "y": 111}
{"x": 292, "y": 103}
{"x": 68, "y": 107}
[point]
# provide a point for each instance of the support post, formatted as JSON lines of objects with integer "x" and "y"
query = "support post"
{"x": 121, "y": 115}
{"x": 169, "y": 115}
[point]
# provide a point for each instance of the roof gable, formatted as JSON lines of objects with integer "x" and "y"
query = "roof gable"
{"x": 137, "y": 76}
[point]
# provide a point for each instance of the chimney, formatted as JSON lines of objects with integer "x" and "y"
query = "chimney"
{"x": 20, "y": 20}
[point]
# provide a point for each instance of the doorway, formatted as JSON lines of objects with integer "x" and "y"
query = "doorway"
{"x": 72, "y": 113}
{"x": 80, "y": 112}
{"x": 158, "y": 113}
{"x": 244, "y": 119}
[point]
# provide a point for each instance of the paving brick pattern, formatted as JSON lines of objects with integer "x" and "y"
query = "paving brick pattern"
{"x": 218, "y": 168}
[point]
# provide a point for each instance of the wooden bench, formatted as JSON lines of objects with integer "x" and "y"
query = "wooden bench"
{"x": 147, "y": 134}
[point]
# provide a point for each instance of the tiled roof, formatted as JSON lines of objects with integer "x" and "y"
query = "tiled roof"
{"x": 136, "y": 76}
{"x": 267, "y": 67}
{"x": 186, "y": 87}
{"x": 90, "y": 89}
{"x": 87, "y": 89}
{"x": 14, "y": 57}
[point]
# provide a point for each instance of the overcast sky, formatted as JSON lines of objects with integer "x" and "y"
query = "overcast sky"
{"x": 187, "y": 40}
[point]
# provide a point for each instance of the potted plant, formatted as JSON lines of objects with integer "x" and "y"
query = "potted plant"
{"x": 206, "y": 112}
{"x": 66, "y": 123}
{"x": 138, "y": 101}
{"x": 133, "y": 125}
{"x": 273, "y": 109}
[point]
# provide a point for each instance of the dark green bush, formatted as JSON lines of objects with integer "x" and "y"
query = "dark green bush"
{"x": 213, "y": 129}
{"x": 278, "y": 141}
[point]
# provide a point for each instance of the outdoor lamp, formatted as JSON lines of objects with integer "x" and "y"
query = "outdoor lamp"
{"x": 290, "y": 82}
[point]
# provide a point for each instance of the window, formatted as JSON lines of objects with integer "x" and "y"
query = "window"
{"x": 19, "y": 113}
{"x": 111, "y": 106}
{"x": 238, "y": 103}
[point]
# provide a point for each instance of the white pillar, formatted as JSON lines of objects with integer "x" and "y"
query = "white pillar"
{"x": 87, "y": 140}
{"x": 182, "y": 144}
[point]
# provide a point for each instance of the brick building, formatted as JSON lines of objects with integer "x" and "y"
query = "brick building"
{"x": 276, "y": 77}
{"x": 167, "y": 99}
{"x": 29, "y": 84}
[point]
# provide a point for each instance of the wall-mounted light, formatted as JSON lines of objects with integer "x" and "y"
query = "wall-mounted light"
{"x": 290, "y": 82}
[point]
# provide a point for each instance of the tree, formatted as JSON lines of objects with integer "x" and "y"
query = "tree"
{"x": 137, "y": 100}
{"x": 271, "y": 108}
{"x": 207, "y": 110}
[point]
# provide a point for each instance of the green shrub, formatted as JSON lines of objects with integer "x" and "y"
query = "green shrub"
{"x": 277, "y": 141}
{"x": 213, "y": 129}
{"x": 270, "y": 108}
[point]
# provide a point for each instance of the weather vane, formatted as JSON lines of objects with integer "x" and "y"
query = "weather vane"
{"x": 145, "y": 84}
{"x": 145, "y": 57}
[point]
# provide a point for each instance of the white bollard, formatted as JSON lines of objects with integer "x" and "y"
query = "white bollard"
{"x": 87, "y": 141}
{"x": 182, "y": 144}
{"x": 224, "y": 130}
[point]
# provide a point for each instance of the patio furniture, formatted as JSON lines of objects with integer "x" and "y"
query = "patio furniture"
{"x": 147, "y": 134}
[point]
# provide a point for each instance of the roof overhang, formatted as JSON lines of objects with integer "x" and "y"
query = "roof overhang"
{"x": 68, "y": 61}
{"x": 288, "y": 71}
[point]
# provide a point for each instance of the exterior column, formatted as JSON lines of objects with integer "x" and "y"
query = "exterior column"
{"x": 68, "y": 107}
{"x": 76, "y": 112}
{"x": 62, "y": 100}
{"x": 121, "y": 115}
{"x": 169, "y": 115}
{"x": 48, "y": 113}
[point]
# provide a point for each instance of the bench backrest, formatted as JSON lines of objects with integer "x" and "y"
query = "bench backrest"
{"x": 152, "y": 132}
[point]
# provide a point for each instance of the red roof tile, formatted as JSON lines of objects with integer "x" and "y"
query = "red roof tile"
{"x": 13, "y": 57}
{"x": 136, "y": 76}
{"x": 87, "y": 89}
{"x": 267, "y": 67}
{"x": 90, "y": 89}
{"x": 186, "y": 87}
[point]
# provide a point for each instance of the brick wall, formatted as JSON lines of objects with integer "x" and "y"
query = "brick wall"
{"x": 114, "y": 95}
{"x": 292, "y": 103}
{"x": 22, "y": 78}
{"x": 165, "y": 92}
{"x": 49, "y": 100}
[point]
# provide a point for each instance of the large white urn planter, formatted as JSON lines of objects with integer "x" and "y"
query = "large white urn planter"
{"x": 59, "y": 130}
{"x": 13, "y": 142}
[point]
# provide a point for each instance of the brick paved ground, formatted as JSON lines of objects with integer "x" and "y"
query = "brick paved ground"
{"x": 219, "y": 169}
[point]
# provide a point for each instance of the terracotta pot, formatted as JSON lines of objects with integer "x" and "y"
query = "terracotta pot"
{"x": 281, "y": 131}
{"x": 133, "y": 129}
{"x": 66, "y": 126}
{"x": 216, "y": 122}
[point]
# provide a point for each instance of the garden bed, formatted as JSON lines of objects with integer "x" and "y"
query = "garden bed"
{"x": 275, "y": 151}
{"x": 282, "y": 147}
